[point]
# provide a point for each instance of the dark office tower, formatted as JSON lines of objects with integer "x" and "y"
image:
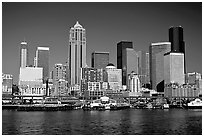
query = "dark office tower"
{"x": 99, "y": 60}
{"x": 42, "y": 60}
{"x": 23, "y": 54}
{"x": 121, "y": 58}
{"x": 156, "y": 62}
{"x": 177, "y": 43}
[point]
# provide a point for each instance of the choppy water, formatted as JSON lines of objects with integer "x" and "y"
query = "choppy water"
{"x": 79, "y": 122}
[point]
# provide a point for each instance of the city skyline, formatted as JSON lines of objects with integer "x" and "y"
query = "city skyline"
{"x": 104, "y": 29}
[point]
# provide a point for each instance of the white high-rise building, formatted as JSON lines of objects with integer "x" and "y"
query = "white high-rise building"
{"x": 77, "y": 53}
{"x": 24, "y": 54}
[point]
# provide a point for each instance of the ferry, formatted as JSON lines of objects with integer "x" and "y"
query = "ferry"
{"x": 104, "y": 103}
{"x": 195, "y": 104}
{"x": 165, "y": 106}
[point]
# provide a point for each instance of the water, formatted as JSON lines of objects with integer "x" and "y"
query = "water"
{"x": 121, "y": 122}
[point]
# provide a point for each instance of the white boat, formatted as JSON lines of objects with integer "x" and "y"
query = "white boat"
{"x": 197, "y": 104}
{"x": 105, "y": 102}
{"x": 166, "y": 106}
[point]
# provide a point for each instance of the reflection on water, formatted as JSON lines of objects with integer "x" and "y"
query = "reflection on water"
{"x": 121, "y": 122}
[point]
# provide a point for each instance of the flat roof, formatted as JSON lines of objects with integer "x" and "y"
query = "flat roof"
{"x": 100, "y": 52}
{"x": 160, "y": 43}
{"x": 43, "y": 48}
{"x": 24, "y": 43}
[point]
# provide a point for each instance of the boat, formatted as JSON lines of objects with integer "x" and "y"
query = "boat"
{"x": 195, "y": 104}
{"x": 104, "y": 103}
{"x": 166, "y": 106}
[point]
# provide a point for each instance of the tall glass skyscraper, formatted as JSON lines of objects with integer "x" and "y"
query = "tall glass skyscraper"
{"x": 42, "y": 60}
{"x": 99, "y": 60}
{"x": 177, "y": 42}
{"x": 23, "y": 54}
{"x": 77, "y": 53}
{"x": 122, "y": 58}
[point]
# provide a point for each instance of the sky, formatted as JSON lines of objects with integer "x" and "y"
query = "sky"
{"x": 106, "y": 24}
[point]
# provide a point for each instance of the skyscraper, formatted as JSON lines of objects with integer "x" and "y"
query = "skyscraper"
{"x": 155, "y": 48}
{"x": 42, "y": 60}
{"x": 24, "y": 54}
{"x": 132, "y": 62}
{"x": 99, "y": 59}
{"x": 143, "y": 67}
{"x": 122, "y": 58}
{"x": 177, "y": 42}
{"x": 77, "y": 52}
{"x": 174, "y": 68}
{"x": 147, "y": 74}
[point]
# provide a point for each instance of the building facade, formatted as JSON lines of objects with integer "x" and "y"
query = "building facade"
{"x": 177, "y": 42}
{"x": 132, "y": 62}
{"x": 90, "y": 75}
{"x": 134, "y": 82}
{"x": 122, "y": 58}
{"x": 143, "y": 68}
{"x": 59, "y": 80}
{"x": 42, "y": 60}
{"x": 31, "y": 83}
{"x": 7, "y": 82}
{"x": 24, "y": 54}
{"x": 114, "y": 77}
{"x": 99, "y": 60}
{"x": 183, "y": 91}
{"x": 155, "y": 48}
{"x": 174, "y": 68}
{"x": 77, "y": 53}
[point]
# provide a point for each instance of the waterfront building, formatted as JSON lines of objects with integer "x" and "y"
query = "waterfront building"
{"x": 122, "y": 58}
{"x": 75, "y": 90}
{"x": 31, "y": 82}
{"x": 173, "y": 90}
{"x": 92, "y": 75}
{"x": 59, "y": 80}
{"x": 143, "y": 68}
{"x": 42, "y": 60}
{"x": 99, "y": 60}
{"x": 194, "y": 78}
{"x": 134, "y": 82}
{"x": 154, "y": 49}
{"x": 177, "y": 42}
{"x": 7, "y": 82}
{"x": 114, "y": 77}
{"x": 77, "y": 53}
{"x": 24, "y": 54}
{"x": 174, "y": 68}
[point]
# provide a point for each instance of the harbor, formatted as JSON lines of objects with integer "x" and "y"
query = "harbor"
{"x": 104, "y": 103}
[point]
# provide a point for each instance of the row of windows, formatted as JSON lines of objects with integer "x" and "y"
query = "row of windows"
{"x": 96, "y": 93}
